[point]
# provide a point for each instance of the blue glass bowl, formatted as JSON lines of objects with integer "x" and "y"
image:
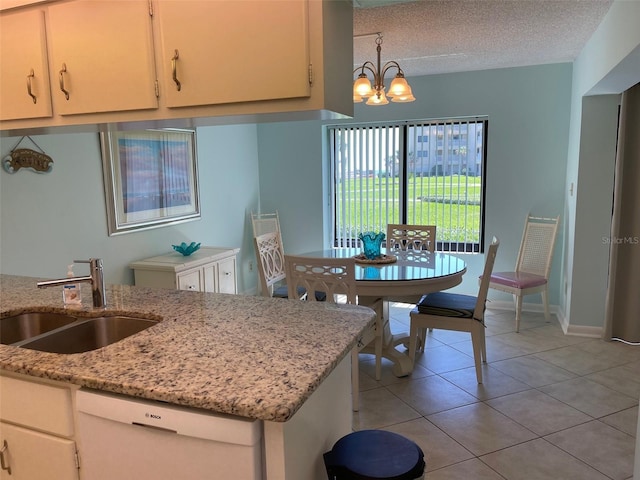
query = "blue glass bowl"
{"x": 185, "y": 249}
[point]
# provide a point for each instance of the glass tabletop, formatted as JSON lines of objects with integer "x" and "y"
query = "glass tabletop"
{"x": 410, "y": 265}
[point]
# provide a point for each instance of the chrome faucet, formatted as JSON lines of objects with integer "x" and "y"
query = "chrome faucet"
{"x": 96, "y": 279}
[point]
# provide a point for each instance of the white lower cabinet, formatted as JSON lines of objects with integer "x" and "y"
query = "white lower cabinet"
{"x": 32, "y": 455}
{"x": 190, "y": 280}
{"x": 294, "y": 449}
{"x": 210, "y": 269}
{"x": 226, "y": 275}
{"x": 37, "y": 434}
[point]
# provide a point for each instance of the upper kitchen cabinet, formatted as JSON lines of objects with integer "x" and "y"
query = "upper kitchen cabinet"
{"x": 24, "y": 77}
{"x": 253, "y": 61}
{"x": 219, "y": 62}
{"x": 229, "y": 51}
{"x": 101, "y": 56}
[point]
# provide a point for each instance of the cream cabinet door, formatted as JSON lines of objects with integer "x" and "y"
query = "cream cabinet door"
{"x": 232, "y": 51}
{"x": 227, "y": 275}
{"x": 210, "y": 272}
{"x": 32, "y": 455}
{"x": 101, "y": 54}
{"x": 190, "y": 280}
{"x": 23, "y": 56}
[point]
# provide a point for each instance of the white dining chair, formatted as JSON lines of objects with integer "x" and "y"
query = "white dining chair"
{"x": 531, "y": 274}
{"x": 271, "y": 267}
{"x": 452, "y": 311}
{"x": 336, "y": 278}
{"x": 404, "y": 237}
{"x": 264, "y": 223}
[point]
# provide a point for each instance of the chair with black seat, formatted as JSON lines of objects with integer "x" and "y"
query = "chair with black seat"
{"x": 531, "y": 274}
{"x": 336, "y": 278}
{"x": 451, "y": 311}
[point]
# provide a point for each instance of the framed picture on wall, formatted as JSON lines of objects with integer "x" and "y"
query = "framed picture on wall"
{"x": 150, "y": 178}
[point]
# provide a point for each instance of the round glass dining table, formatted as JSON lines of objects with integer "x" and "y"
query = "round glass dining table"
{"x": 414, "y": 272}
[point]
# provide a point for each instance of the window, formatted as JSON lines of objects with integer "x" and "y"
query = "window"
{"x": 425, "y": 173}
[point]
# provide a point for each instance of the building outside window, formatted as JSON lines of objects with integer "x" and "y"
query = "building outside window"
{"x": 425, "y": 172}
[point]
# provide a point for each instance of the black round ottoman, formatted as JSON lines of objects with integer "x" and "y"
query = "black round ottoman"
{"x": 374, "y": 455}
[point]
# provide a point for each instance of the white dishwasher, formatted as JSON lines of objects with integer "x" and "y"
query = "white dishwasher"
{"x": 126, "y": 438}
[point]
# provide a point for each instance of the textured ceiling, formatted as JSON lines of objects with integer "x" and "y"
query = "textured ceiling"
{"x": 430, "y": 37}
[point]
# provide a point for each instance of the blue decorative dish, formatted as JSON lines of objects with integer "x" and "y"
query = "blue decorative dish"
{"x": 185, "y": 249}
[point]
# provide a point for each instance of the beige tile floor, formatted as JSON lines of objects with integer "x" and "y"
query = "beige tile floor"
{"x": 551, "y": 406}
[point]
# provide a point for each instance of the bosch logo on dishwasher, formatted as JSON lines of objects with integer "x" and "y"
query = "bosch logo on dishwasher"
{"x": 152, "y": 415}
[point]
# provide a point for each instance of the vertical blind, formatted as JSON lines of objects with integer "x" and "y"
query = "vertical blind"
{"x": 424, "y": 173}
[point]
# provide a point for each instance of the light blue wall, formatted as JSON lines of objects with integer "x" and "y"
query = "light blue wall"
{"x": 47, "y": 220}
{"x": 528, "y": 110}
{"x": 609, "y": 64}
{"x": 593, "y": 194}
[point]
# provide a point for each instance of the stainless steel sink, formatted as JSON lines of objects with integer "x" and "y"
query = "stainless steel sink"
{"x": 65, "y": 333}
{"x": 27, "y": 325}
{"x": 89, "y": 334}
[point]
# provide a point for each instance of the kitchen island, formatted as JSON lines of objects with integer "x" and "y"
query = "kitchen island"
{"x": 247, "y": 356}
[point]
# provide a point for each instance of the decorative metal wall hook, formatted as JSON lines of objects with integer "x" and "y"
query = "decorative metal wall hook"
{"x": 25, "y": 157}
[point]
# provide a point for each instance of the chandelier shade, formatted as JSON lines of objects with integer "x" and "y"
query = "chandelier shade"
{"x": 363, "y": 88}
{"x": 399, "y": 87}
{"x": 403, "y": 98}
{"x": 378, "y": 98}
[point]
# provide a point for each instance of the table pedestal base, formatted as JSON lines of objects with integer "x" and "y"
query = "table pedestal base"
{"x": 402, "y": 364}
{"x": 414, "y": 273}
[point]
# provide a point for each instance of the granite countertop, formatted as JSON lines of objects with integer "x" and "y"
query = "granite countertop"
{"x": 243, "y": 355}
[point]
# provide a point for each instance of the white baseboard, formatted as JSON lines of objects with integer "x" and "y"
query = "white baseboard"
{"x": 578, "y": 330}
{"x": 583, "y": 331}
{"x": 567, "y": 328}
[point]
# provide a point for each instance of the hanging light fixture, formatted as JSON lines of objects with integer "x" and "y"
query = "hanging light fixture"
{"x": 399, "y": 90}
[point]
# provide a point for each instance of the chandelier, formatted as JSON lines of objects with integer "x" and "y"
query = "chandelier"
{"x": 399, "y": 90}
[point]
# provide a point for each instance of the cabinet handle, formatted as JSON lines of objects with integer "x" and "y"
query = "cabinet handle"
{"x": 174, "y": 69}
{"x": 29, "y": 77}
{"x": 64, "y": 70}
{"x": 6, "y": 467}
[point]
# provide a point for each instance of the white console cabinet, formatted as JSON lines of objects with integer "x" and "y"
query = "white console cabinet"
{"x": 210, "y": 269}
